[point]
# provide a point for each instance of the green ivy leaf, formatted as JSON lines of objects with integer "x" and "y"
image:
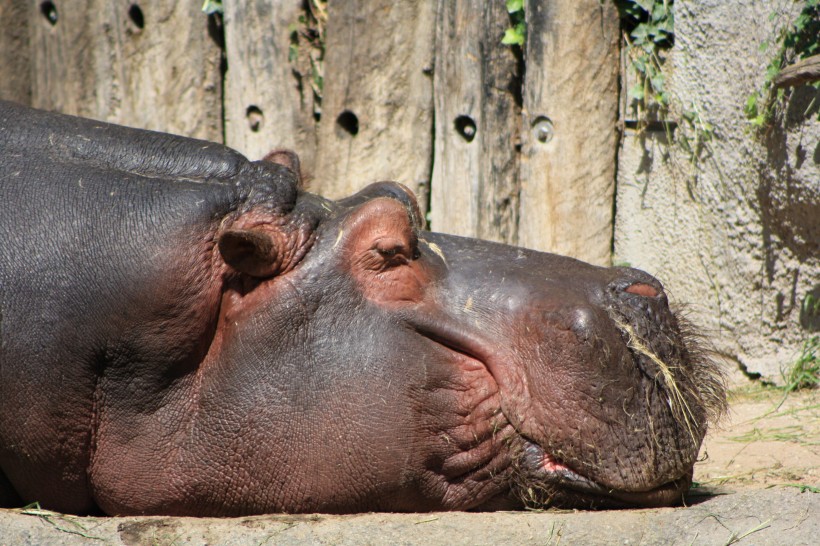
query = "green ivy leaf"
{"x": 515, "y": 5}
{"x": 772, "y": 71}
{"x": 751, "y": 106}
{"x": 514, "y": 36}
{"x": 758, "y": 121}
{"x": 659, "y": 13}
{"x": 640, "y": 34}
{"x": 657, "y": 82}
{"x": 212, "y": 6}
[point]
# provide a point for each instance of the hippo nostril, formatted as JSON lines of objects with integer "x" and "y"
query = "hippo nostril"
{"x": 643, "y": 289}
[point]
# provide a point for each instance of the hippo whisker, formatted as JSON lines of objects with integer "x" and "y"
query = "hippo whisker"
{"x": 709, "y": 380}
{"x": 677, "y": 402}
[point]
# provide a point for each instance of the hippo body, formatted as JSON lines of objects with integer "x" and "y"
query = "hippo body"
{"x": 186, "y": 332}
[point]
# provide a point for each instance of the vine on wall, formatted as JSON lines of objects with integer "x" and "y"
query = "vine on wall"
{"x": 307, "y": 49}
{"x": 649, "y": 33}
{"x": 648, "y": 27}
{"x": 796, "y": 61}
{"x": 517, "y": 33}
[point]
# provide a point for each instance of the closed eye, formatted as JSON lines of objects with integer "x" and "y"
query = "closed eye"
{"x": 388, "y": 252}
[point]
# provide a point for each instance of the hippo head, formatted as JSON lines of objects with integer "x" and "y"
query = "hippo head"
{"x": 376, "y": 366}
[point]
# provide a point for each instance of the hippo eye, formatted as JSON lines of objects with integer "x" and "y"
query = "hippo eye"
{"x": 391, "y": 253}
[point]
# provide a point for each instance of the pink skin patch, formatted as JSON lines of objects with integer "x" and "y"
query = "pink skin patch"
{"x": 642, "y": 289}
{"x": 551, "y": 465}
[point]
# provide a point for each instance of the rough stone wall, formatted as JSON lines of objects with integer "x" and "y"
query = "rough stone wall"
{"x": 735, "y": 233}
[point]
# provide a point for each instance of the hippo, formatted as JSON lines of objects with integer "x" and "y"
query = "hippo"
{"x": 184, "y": 331}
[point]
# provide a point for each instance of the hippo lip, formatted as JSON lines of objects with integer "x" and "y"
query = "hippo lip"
{"x": 548, "y": 471}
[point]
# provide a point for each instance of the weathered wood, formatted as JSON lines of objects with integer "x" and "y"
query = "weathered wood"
{"x": 15, "y": 72}
{"x": 150, "y": 64}
{"x": 475, "y": 187}
{"x": 266, "y": 105}
{"x": 804, "y": 71}
{"x": 569, "y": 128}
{"x": 63, "y": 53}
{"x": 377, "y": 107}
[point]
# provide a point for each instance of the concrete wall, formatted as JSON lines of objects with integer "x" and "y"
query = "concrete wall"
{"x": 735, "y": 233}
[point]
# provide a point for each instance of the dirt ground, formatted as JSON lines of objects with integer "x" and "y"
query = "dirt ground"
{"x": 768, "y": 440}
{"x": 758, "y": 483}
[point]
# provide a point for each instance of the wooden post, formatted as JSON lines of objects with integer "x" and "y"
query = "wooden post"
{"x": 802, "y": 72}
{"x": 152, "y": 64}
{"x": 569, "y": 128}
{"x": 475, "y": 186}
{"x": 377, "y": 114}
{"x": 15, "y": 71}
{"x": 266, "y": 105}
{"x": 62, "y": 55}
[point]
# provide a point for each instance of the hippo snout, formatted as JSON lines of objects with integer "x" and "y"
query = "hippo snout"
{"x": 618, "y": 401}
{"x": 597, "y": 375}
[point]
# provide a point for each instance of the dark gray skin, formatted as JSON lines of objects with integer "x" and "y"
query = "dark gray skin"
{"x": 187, "y": 332}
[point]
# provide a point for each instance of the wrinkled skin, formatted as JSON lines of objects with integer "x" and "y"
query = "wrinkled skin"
{"x": 187, "y": 332}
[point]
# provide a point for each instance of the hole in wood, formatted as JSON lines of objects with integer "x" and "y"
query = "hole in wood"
{"x": 49, "y": 11}
{"x": 348, "y": 121}
{"x": 466, "y": 127}
{"x": 255, "y": 118}
{"x": 136, "y": 16}
{"x": 542, "y": 129}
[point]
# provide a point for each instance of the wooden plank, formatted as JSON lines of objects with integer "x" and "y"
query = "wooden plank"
{"x": 475, "y": 187}
{"x": 802, "y": 72}
{"x": 152, "y": 64}
{"x": 377, "y": 113}
{"x": 15, "y": 73}
{"x": 62, "y": 50}
{"x": 569, "y": 128}
{"x": 267, "y": 105}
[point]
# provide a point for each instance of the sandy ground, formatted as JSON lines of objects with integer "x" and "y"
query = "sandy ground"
{"x": 758, "y": 484}
{"x": 768, "y": 440}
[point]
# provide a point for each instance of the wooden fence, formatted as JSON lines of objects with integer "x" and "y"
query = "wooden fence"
{"x": 512, "y": 147}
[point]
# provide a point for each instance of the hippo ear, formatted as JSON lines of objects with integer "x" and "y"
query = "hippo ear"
{"x": 249, "y": 251}
{"x": 289, "y": 159}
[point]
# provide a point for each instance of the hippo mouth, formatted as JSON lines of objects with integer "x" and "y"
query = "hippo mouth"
{"x": 542, "y": 478}
{"x": 550, "y": 482}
